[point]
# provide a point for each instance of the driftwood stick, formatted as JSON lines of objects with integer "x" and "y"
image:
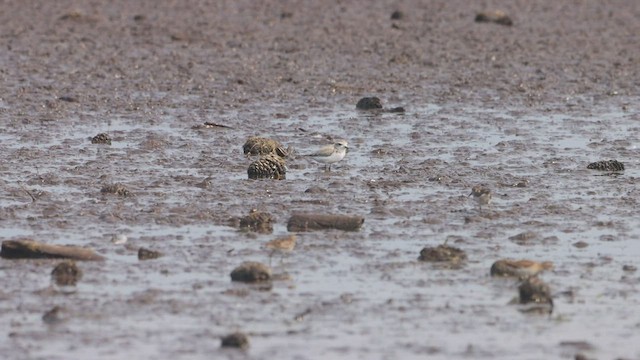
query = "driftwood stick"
{"x": 30, "y": 249}
{"x": 310, "y": 222}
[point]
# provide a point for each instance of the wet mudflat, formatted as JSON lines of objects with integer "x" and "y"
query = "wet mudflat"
{"x": 520, "y": 109}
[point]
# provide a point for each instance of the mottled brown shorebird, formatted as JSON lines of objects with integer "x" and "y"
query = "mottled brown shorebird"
{"x": 481, "y": 195}
{"x": 281, "y": 244}
{"x": 519, "y": 268}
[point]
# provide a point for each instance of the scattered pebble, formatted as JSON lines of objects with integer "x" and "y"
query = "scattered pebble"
{"x": 236, "y": 340}
{"x": 66, "y": 273}
{"x": 101, "y": 138}
{"x": 257, "y": 221}
{"x": 268, "y": 167}
{"x": 116, "y": 189}
{"x": 580, "y": 244}
{"x": 497, "y": 17}
{"x": 251, "y": 272}
{"x": 147, "y": 254}
{"x": 606, "y": 165}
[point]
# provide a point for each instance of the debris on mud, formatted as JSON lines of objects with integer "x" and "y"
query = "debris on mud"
{"x": 258, "y": 221}
{"x": 369, "y": 103}
{"x": 519, "y": 268}
{"x": 444, "y": 254}
{"x": 66, "y": 273}
{"x": 211, "y": 125}
{"x": 116, "y": 189}
{"x": 101, "y": 138}
{"x": 497, "y": 17}
{"x": 30, "y": 249}
{"x": 251, "y": 272}
{"x": 270, "y": 166}
{"x": 236, "y": 340}
{"x": 310, "y": 222}
{"x": 256, "y": 145}
{"x": 606, "y": 165}
{"x": 147, "y": 254}
{"x": 534, "y": 290}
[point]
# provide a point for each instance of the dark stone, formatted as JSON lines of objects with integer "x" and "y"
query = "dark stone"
{"x": 398, "y": 109}
{"x": 236, "y": 340}
{"x": 66, "y": 273}
{"x": 101, "y": 138}
{"x": 251, "y": 272}
{"x": 606, "y": 165}
{"x": 147, "y": 254}
{"x": 369, "y": 103}
{"x": 269, "y": 166}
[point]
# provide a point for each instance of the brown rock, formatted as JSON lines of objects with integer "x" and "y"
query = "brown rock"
{"x": 30, "y": 249}
{"x": 442, "y": 253}
{"x": 369, "y": 103}
{"x": 310, "y": 222}
{"x": 534, "y": 290}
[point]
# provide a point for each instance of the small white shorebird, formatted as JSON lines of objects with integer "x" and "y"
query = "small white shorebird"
{"x": 481, "y": 195}
{"x": 330, "y": 154}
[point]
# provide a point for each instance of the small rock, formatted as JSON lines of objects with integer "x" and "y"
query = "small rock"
{"x": 497, "y": 17}
{"x": 398, "y": 109}
{"x": 606, "y": 165}
{"x": 257, "y": 221}
{"x": 268, "y": 167}
{"x": 101, "y": 138}
{"x": 236, "y": 340}
{"x": 147, "y": 254}
{"x": 251, "y": 272}
{"x": 117, "y": 189}
{"x": 369, "y": 103}
{"x": 580, "y": 244}
{"x": 629, "y": 268}
{"x": 66, "y": 273}
{"x": 442, "y": 253}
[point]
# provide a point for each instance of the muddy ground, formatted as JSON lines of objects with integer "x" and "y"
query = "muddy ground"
{"x": 521, "y": 109}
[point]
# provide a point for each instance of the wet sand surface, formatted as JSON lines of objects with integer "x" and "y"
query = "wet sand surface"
{"x": 521, "y": 109}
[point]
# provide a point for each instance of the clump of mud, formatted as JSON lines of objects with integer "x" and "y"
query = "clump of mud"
{"x": 535, "y": 291}
{"x": 147, "y": 254}
{"x": 443, "y": 254}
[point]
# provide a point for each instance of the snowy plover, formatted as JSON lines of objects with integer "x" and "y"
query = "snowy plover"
{"x": 330, "y": 154}
{"x": 481, "y": 195}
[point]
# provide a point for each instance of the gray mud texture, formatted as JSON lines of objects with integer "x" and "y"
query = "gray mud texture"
{"x": 123, "y": 124}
